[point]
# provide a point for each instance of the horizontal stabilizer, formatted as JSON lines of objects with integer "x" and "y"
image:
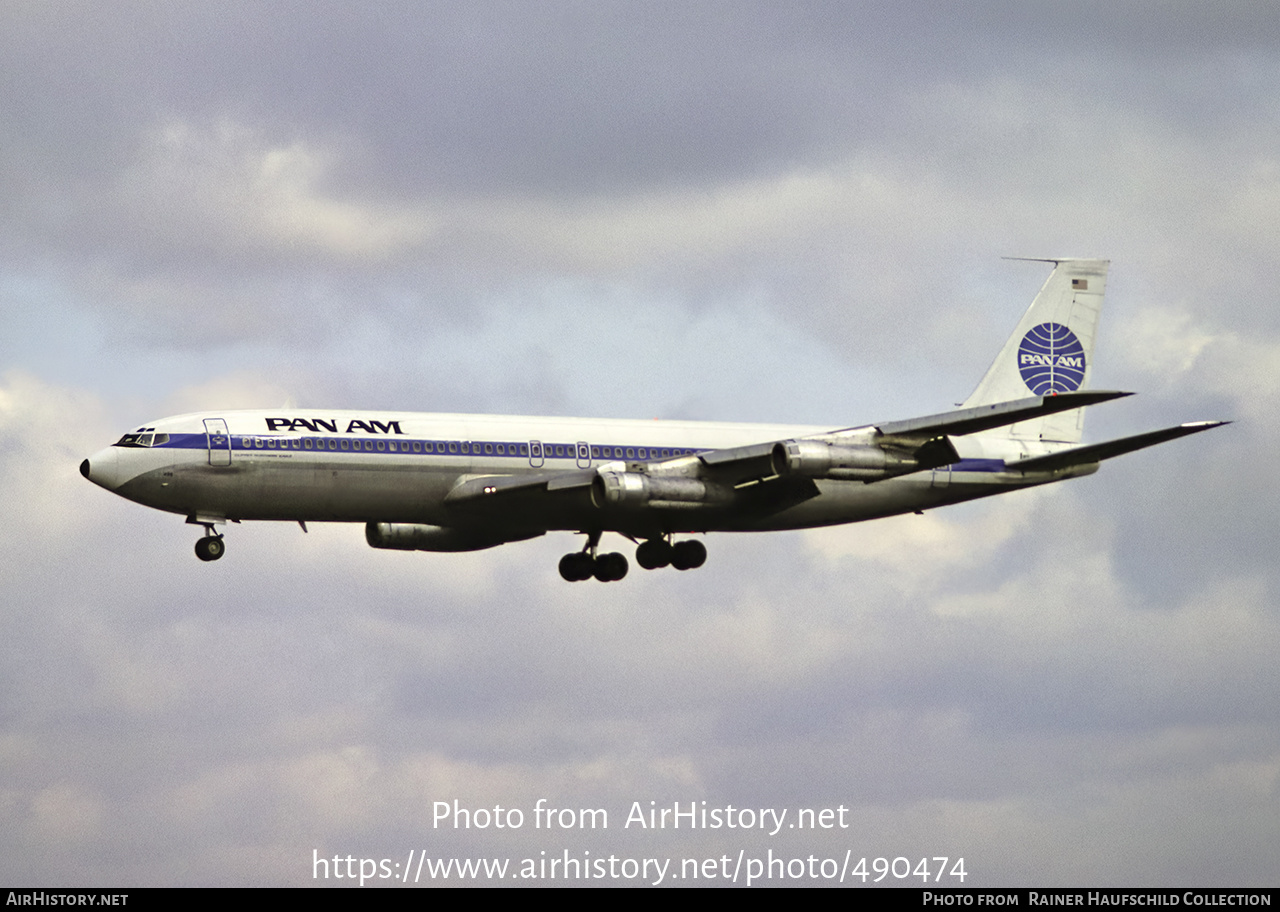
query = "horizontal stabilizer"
{"x": 1097, "y": 452}
{"x": 985, "y": 417}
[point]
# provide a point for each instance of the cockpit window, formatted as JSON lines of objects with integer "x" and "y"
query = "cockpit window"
{"x": 142, "y": 440}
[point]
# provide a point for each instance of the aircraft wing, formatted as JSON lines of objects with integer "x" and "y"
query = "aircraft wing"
{"x": 521, "y": 504}
{"x": 1097, "y": 452}
{"x": 874, "y": 453}
{"x": 478, "y": 487}
{"x": 893, "y": 448}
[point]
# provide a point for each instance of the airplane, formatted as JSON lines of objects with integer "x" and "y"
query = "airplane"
{"x": 441, "y": 482}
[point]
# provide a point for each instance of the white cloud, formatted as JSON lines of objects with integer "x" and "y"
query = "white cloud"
{"x": 45, "y": 432}
{"x": 920, "y": 553}
{"x": 249, "y": 389}
{"x": 1178, "y": 350}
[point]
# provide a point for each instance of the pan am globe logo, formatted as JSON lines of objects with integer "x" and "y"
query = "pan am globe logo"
{"x": 1051, "y": 360}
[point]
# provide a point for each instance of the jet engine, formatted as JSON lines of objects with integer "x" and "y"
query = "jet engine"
{"x": 818, "y": 459}
{"x": 635, "y": 489}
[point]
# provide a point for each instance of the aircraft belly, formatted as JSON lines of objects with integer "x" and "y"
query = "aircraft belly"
{"x": 386, "y": 493}
{"x": 287, "y": 488}
{"x": 843, "y": 502}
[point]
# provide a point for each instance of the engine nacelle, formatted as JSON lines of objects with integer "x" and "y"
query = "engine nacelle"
{"x": 422, "y": 537}
{"x": 634, "y": 489}
{"x": 816, "y": 459}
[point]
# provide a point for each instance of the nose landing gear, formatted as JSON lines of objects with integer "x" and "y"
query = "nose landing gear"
{"x": 211, "y": 547}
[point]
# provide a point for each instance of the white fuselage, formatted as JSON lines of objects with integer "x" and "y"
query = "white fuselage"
{"x": 317, "y": 466}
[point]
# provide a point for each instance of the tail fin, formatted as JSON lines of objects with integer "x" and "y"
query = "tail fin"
{"x": 1050, "y": 352}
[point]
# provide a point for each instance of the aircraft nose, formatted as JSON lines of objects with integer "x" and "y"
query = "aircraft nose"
{"x": 103, "y": 468}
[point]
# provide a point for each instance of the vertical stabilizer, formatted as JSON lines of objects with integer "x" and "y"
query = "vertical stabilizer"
{"x": 1050, "y": 352}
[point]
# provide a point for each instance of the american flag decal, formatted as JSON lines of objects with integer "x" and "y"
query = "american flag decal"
{"x": 1080, "y": 284}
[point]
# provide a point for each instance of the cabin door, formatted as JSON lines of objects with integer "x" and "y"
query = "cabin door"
{"x": 215, "y": 431}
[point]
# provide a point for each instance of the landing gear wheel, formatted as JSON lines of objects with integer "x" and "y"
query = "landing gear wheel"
{"x": 211, "y": 548}
{"x": 653, "y": 554}
{"x": 610, "y": 567}
{"x": 688, "y": 555}
{"x": 577, "y": 566}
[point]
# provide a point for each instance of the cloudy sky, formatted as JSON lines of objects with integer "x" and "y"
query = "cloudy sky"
{"x": 747, "y": 211}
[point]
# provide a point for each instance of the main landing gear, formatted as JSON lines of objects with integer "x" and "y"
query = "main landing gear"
{"x": 651, "y": 555}
{"x": 211, "y": 547}
{"x": 659, "y": 552}
{"x": 581, "y": 565}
